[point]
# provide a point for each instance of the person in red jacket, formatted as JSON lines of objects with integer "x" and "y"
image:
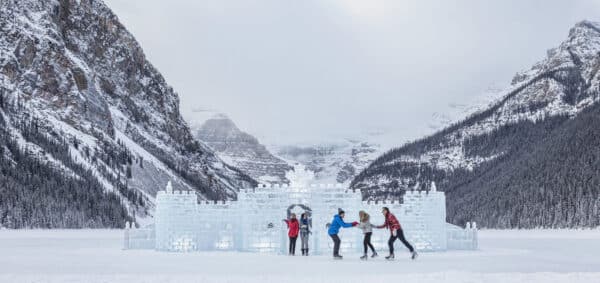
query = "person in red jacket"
{"x": 392, "y": 223}
{"x": 293, "y": 229}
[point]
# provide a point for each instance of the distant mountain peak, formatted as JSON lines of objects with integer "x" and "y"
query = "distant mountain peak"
{"x": 72, "y": 70}
{"x": 241, "y": 149}
{"x": 220, "y": 116}
{"x": 595, "y": 26}
{"x": 521, "y": 144}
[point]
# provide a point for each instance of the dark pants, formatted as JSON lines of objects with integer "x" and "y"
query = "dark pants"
{"x": 293, "y": 245}
{"x": 336, "y": 244}
{"x": 400, "y": 236}
{"x": 304, "y": 239}
{"x": 367, "y": 242}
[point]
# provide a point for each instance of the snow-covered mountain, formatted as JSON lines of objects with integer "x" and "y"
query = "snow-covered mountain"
{"x": 334, "y": 161}
{"x": 529, "y": 159}
{"x": 80, "y": 98}
{"x": 456, "y": 111}
{"x": 241, "y": 149}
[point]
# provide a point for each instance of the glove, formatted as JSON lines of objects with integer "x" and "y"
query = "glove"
{"x": 354, "y": 223}
{"x": 394, "y": 232}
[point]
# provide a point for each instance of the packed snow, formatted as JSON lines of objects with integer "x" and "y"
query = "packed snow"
{"x": 97, "y": 256}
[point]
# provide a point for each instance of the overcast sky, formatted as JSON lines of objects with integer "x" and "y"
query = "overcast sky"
{"x": 290, "y": 71}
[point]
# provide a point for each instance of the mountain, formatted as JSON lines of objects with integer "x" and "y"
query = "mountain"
{"x": 242, "y": 150}
{"x": 336, "y": 161}
{"x": 529, "y": 160}
{"x": 91, "y": 129}
{"x": 456, "y": 111}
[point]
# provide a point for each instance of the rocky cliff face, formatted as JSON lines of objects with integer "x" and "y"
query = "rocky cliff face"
{"x": 73, "y": 68}
{"x": 242, "y": 150}
{"x": 506, "y": 165}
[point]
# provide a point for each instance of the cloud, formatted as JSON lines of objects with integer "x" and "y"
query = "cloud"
{"x": 298, "y": 70}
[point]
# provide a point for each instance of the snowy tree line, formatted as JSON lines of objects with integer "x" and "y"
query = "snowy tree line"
{"x": 36, "y": 194}
{"x": 547, "y": 174}
{"x": 548, "y": 177}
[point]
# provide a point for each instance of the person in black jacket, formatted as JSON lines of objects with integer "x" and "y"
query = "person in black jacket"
{"x": 305, "y": 226}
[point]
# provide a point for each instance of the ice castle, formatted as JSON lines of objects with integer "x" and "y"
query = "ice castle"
{"x": 254, "y": 222}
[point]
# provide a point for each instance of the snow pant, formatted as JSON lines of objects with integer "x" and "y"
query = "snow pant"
{"x": 293, "y": 245}
{"x": 336, "y": 244}
{"x": 367, "y": 242}
{"x": 304, "y": 239}
{"x": 400, "y": 236}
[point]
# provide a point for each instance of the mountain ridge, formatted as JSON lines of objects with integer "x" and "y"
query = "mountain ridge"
{"x": 242, "y": 150}
{"x": 71, "y": 71}
{"x": 541, "y": 101}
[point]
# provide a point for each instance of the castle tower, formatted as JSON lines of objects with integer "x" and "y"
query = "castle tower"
{"x": 423, "y": 215}
{"x": 175, "y": 219}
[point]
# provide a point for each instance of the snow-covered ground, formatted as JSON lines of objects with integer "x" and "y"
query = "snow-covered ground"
{"x": 96, "y": 256}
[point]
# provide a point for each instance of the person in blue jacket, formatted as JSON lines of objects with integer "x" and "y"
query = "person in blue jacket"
{"x": 334, "y": 229}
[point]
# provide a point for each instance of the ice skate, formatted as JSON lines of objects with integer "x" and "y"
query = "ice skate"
{"x": 390, "y": 257}
{"x": 374, "y": 255}
{"x": 364, "y": 257}
{"x": 414, "y": 255}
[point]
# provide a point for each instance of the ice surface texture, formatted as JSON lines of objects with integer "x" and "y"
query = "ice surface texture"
{"x": 254, "y": 223}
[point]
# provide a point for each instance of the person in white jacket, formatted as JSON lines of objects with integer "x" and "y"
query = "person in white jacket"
{"x": 367, "y": 228}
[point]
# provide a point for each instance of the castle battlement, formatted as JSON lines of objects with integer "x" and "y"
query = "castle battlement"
{"x": 217, "y": 204}
{"x": 253, "y": 222}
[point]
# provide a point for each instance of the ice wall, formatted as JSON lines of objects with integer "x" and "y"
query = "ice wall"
{"x": 423, "y": 216}
{"x": 176, "y": 220}
{"x": 262, "y": 211}
{"x": 326, "y": 199}
{"x": 462, "y": 239}
{"x": 254, "y": 223}
{"x": 138, "y": 239}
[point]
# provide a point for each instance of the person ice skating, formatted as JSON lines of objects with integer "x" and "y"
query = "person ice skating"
{"x": 391, "y": 223}
{"x": 334, "y": 229}
{"x": 367, "y": 228}
{"x": 305, "y": 226}
{"x": 293, "y": 229}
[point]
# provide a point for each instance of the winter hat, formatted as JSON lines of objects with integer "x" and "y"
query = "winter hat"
{"x": 341, "y": 211}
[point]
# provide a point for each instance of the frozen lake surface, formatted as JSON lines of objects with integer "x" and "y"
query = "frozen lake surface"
{"x": 96, "y": 256}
